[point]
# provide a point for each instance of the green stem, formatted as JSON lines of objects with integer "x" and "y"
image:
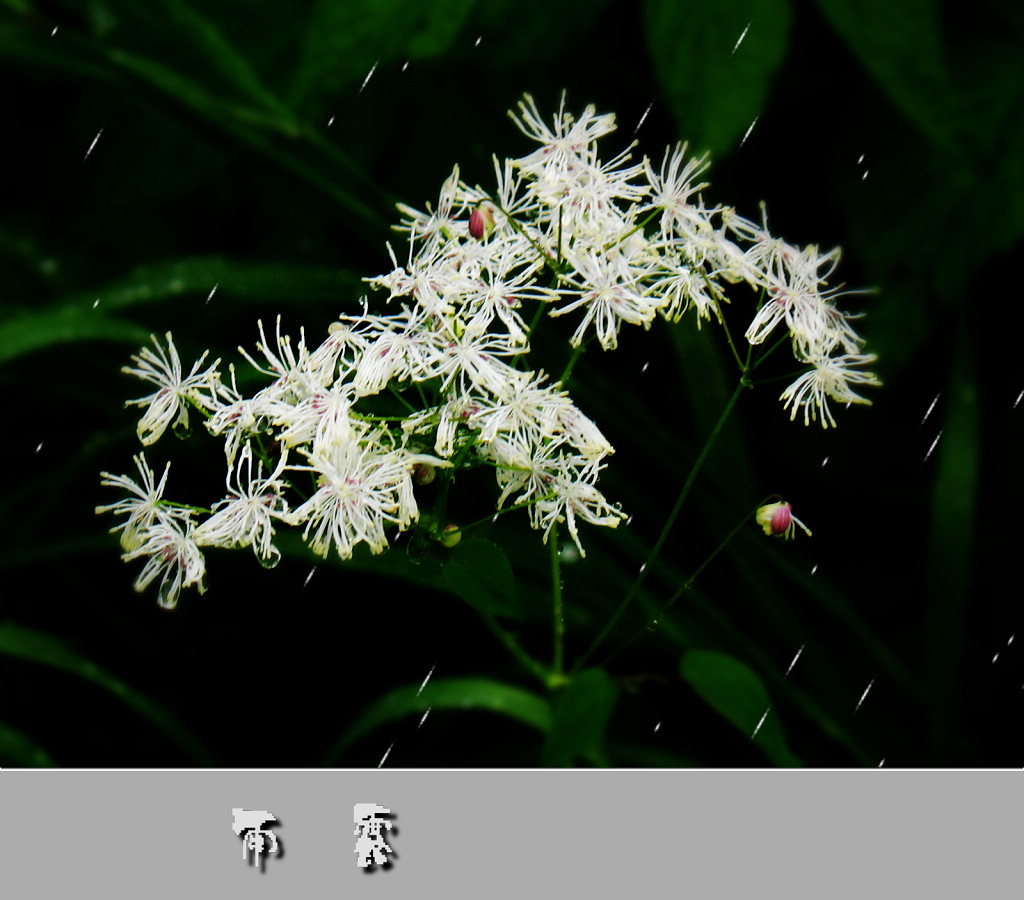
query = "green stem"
{"x": 785, "y": 337}
{"x": 556, "y": 602}
{"x": 577, "y": 351}
{"x": 646, "y": 567}
{"x": 512, "y": 645}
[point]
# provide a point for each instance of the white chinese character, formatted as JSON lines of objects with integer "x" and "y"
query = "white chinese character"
{"x": 252, "y": 821}
{"x": 371, "y": 846}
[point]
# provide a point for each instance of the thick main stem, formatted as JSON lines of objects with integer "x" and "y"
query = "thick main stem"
{"x": 669, "y": 522}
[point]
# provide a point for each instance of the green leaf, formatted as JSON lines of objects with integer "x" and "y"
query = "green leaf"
{"x": 479, "y": 573}
{"x": 206, "y": 37}
{"x": 27, "y": 643}
{"x": 19, "y": 750}
{"x": 581, "y": 715}
{"x": 247, "y": 281}
{"x": 951, "y": 541}
{"x": 453, "y": 693}
{"x": 900, "y": 44}
{"x": 345, "y": 41}
{"x": 85, "y": 316}
{"x": 715, "y": 88}
{"x": 736, "y": 692}
{"x": 64, "y": 324}
{"x": 539, "y": 31}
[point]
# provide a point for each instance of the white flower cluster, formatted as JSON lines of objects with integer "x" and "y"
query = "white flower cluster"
{"x": 610, "y": 241}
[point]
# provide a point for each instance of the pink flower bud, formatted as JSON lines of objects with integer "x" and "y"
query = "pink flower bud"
{"x": 777, "y": 519}
{"x": 451, "y": 535}
{"x": 481, "y": 221}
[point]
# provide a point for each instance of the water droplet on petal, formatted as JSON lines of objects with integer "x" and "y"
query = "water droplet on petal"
{"x": 271, "y": 561}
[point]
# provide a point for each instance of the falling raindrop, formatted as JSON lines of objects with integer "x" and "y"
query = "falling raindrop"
{"x": 994, "y": 658}
{"x": 824, "y": 461}
{"x": 865, "y": 175}
{"x": 1010, "y": 641}
{"x": 1021, "y": 394}
{"x": 476, "y": 43}
{"x": 656, "y": 727}
{"x": 759, "y": 724}
{"x": 814, "y": 568}
{"x": 795, "y": 658}
{"x": 330, "y": 121}
{"x": 214, "y": 291}
{"x": 750, "y": 129}
{"x": 93, "y": 144}
{"x": 425, "y": 680}
{"x": 861, "y": 159}
{"x": 405, "y": 65}
{"x": 862, "y": 696}
{"x": 644, "y": 368}
{"x": 931, "y": 406}
{"x": 96, "y": 302}
{"x": 369, "y": 75}
{"x": 740, "y": 41}
{"x": 882, "y": 763}
{"x": 629, "y": 521}
{"x": 386, "y": 755}
{"x": 641, "y": 122}
{"x": 931, "y": 448}
{"x": 424, "y": 719}
{"x": 309, "y": 576}
{"x": 55, "y": 27}
{"x": 40, "y": 447}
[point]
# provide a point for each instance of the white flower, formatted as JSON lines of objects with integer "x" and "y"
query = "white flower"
{"x": 610, "y": 293}
{"x": 467, "y": 355}
{"x": 829, "y": 377}
{"x": 292, "y": 371}
{"x": 145, "y": 508}
{"x": 173, "y": 556}
{"x": 529, "y": 414}
{"x": 672, "y": 191}
{"x": 425, "y": 277}
{"x": 575, "y": 499}
{"x": 397, "y": 354}
{"x": 676, "y": 286}
{"x": 564, "y": 144}
{"x": 560, "y": 486}
{"x": 244, "y": 517}
{"x": 442, "y": 226}
{"x": 363, "y": 487}
{"x": 170, "y": 402}
{"x": 499, "y": 290}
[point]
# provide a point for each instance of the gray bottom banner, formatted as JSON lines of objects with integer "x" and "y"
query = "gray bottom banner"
{"x": 517, "y": 834}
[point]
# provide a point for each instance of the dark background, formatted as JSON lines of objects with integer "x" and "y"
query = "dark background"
{"x": 240, "y": 148}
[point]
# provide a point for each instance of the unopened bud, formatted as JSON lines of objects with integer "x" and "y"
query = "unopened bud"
{"x": 423, "y": 473}
{"x": 777, "y": 519}
{"x": 451, "y": 535}
{"x": 481, "y": 221}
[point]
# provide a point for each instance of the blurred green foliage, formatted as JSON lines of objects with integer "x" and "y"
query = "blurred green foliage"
{"x": 195, "y": 167}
